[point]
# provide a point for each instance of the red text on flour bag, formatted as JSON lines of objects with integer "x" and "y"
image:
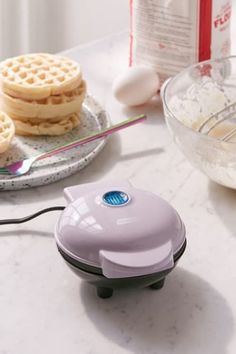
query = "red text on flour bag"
{"x": 169, "y": 35}
{"x": 221, "y": 21}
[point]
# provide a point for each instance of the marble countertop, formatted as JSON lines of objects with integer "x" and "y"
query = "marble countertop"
{"x": 45, "y": 308}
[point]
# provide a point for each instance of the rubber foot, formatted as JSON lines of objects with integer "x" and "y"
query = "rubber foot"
{"x": 104, "y": 293}
{"x": 158, "y": 285}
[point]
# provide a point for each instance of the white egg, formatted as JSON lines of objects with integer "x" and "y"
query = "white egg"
{"x": 136, "y": 85}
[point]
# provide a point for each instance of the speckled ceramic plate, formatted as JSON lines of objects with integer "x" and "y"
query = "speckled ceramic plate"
{"x": 93, "y": 118}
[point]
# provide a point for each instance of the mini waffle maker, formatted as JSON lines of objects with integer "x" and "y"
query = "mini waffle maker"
{"x": 114, "y": 236}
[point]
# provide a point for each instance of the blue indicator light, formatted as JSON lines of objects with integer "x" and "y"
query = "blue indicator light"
{"x": 115, "y": 198}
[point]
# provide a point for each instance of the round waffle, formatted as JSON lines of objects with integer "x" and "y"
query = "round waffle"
{"x": 54, "y": 126}
{"x": 38, "y": 76}
{"x": 50, "y": 107}
{"x": 7, "y": 131}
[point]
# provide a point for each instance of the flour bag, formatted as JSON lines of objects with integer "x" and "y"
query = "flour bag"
{"x": 169, "y": 35}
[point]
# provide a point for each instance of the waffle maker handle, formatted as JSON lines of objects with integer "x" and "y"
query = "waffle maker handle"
{"x": 127, "y": 264}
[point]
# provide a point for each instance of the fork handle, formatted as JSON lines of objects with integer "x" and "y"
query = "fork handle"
{"x": 93, "y": 136}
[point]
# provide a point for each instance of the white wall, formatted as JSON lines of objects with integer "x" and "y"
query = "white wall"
{"x": 95, "y": 18}
{"x": 54, "y": 25}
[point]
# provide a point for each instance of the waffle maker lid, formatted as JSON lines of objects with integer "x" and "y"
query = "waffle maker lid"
{"x": 122, "y": 230}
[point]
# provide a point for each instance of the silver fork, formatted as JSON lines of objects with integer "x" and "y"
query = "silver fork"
{"x": 21, "y": 167}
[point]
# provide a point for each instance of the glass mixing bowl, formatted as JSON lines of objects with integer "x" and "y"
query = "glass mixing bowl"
{"x": 192, "y": 96}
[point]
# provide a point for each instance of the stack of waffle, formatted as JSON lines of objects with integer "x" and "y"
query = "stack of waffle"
{"x": 42, "y": 93}
{"x": 7, "y": 131}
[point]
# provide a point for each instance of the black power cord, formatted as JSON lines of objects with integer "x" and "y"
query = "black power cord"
{"x": 30, "y": 217}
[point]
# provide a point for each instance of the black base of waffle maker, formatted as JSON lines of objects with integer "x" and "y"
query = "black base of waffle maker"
{"x": 105, "y": 286}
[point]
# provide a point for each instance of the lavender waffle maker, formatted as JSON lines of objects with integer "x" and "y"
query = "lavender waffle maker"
{"x": 114, "y": 236}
